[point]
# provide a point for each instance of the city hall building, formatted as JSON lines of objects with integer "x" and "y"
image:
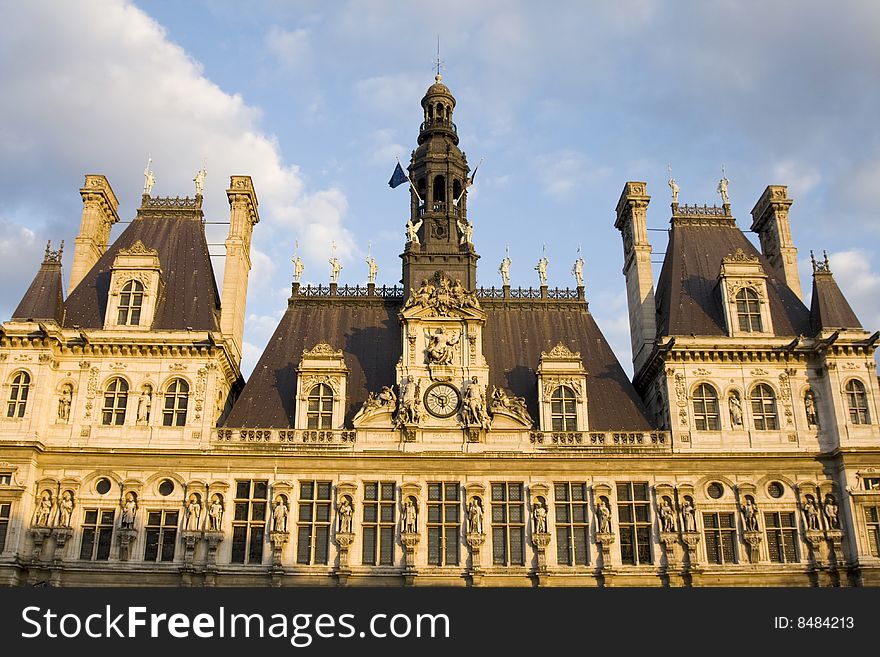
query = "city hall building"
{"x": 437, "y": 433}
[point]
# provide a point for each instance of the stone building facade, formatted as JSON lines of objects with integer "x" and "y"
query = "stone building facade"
{"x": 440, "y": 433}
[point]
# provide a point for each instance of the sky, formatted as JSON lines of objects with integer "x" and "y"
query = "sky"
{"x": 316, "y": 100}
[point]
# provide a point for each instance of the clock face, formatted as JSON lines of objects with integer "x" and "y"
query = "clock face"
{"x": 442, "y": 400}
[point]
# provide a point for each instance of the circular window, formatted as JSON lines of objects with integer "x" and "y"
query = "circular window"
{"x": 166, "y": 487}
{"x": 103, "y": 486}
{"x": 775, "y": 489}
{"x": 715, "y": 490}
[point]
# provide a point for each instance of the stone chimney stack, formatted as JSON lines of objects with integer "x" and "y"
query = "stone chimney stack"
{"x": 98, "y": 216}
{"x": 770, "y": 222}
{"x": 633, "y": 226}
{"x": 243, "y": 216}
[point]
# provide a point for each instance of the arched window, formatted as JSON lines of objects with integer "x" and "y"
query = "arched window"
{"x": 563, "y": 409}
{"x": 320, "y": 413}
{"x": 131, "y": 300}
{"x": 439, "y": 189}
{"x": 764, "y": 408}
{"x": 706, "y": 408}
{"x": 176, "y": 399}
{"x": 857, "y": 400}
{"x": 748, "y": 311}
{"x": 18, "y": 394}
{"x": 115, "y": 401}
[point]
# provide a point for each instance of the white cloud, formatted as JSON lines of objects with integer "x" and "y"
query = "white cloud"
{"x": 563, "y": 172}
{"x": 395, "y": 95}
{"x": 292, "y": 48}
{"x": 799, "y": 177}
{"x": 97, "y": 87}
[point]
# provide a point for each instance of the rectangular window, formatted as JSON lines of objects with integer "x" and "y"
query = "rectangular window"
{"x": 378, "y": 523}
{"x": 161, "y": 535}
{"x": 5, "y": 478}
{"x": 249, "y": 520}
{"x": 720, "y": 531}
{"x": 781, "y": 536}
{"x": 872, "y": 524}
{"x": 572, "y": 529}
{"x": 508, "y": 525}
{"x": 634, "y": 520}
{"x": 444, "y": 523}
{"x": 4, "y": 524}
{"x": 871, "y": 483}
{"x": 97, "y": 534}
{"x": 313, "y": 523}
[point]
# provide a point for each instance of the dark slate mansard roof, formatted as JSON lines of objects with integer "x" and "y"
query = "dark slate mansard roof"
{"x": 44, "y": 299}
{"x": 688, "y": 298}
{"x": 829, "y": 309}
{"x": 189, "y": 296}
{"x": 369, "y": 334}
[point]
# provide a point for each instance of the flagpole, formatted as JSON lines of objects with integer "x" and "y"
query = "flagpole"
{"x": 415, "y": 191}
{"x": 470, "y": 182}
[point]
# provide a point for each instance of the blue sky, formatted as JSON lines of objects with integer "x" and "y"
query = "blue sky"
{"x": 315, "y": 100}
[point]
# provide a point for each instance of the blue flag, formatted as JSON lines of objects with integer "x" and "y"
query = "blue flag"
{"x": 398, "y": 177}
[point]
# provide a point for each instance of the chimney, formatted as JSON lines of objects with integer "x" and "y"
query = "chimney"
{"x": 632, "y": 224}
{"x": 99, "y": 214}
{"x": 770, "y": 221}
{"x": 242, "y": 218}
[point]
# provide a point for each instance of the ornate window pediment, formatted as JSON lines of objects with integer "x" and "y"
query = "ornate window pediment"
{"x": 562, "y": 391}
{"x": 743, "y": 287}
{"x": 321, "y": 388}
{"x": 135, "y": 284}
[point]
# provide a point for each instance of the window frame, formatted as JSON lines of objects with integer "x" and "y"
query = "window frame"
{"x": 724, "y": 538}
{"x": 97, "y": 534}
{"x": 506, "y": 528}
{"x": 321, "y": 416}
{"x": 575, "y": 548}
{"x": 127, "y": 309}
{"x": 563, "y": 409}
{"x": 19, "y": 391}
{"x": 706, "y": 419}
{"x": 748, "y": 310}
{"x": 759, "y": 408}
{"x": 444, "y": 534}
{"x": 378, "y": 523}
{"x": 639, "y": 527}
{"x": 782, "y": 537}
{"x": 175, "y": 415}
{"x": 5, "y": 519}
{"x": 872, "y": 528}
{"x": 313, "y": 521}
{"x": 248, "y": 528}
{"x": 165, "y": 533}
{"x": 117, "y": 411}
{"x": 857, "y": 402}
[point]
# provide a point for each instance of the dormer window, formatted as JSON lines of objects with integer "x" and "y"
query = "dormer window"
{"x": 748, "y": 311}
{"x": 563, "y": 409}
{"x": 562, "y": 388}
{"x": 135, "y": 284}
{"x": 320, "y": 413}
{"x": 320, "y": 389}
{"x": 743, "y": 286}
{"x": 131, "y": 301}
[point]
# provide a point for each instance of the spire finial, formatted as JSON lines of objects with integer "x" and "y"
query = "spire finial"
{"x": 438, "y": 62}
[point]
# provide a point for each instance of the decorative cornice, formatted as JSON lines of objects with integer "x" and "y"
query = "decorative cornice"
{"x": 322, "y": 349}
{"x": 138, "y": 248}
{"x": 560, "y": 351}
{"x": 740, "y": 256}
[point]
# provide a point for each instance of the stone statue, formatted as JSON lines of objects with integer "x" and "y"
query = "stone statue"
{"x": 504, "y": 270}
{"x": 811, "y": 513}
{"x": 475, "y": 516}
{"x": 297, "y": 268}
{"x": 541, "y": 268}
{"x": 64, "y": 403}
{"x": 408, "y": 412}
{"x": 44, "y": 510}
{"x": 603, "y": 516}
{"x": 750, "y": 514}
{"x": 736, "y": 411}
{"x": 412, "y": 231}
{"x": 387, "y": 397}
{"x": 193, "y": 513}
{"x": 345, "y": 511}
{"x": 722, "y": 189}
{"x": 279, "y": 515}
{"x": 578, "y": 271}
{"x": 675, "y": 189}
{"x": 667, "y": 516}
{"x": 374, "y": 269}
{"x": 65, "y": 509}
{"x": 199, "y": 180}
{"x": 810, "y": 409}
{"x": 474, "y": 408}
{"x": 129, "y": 510}
{"x": 515, "y": 405}
{"x": 149, "y": 178}
{"x": 441, "y": 346}
{"x": 689, "y": 515}
{"x": 145, "y": 403}
{"x": 215, "y": 514}
{"x": 540, "y": 516}
{"x": 335, "y": 268}
{"x": 466, "y": 230}
{"x": 831, "y": 512}
{"x": 410, "y": 523}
